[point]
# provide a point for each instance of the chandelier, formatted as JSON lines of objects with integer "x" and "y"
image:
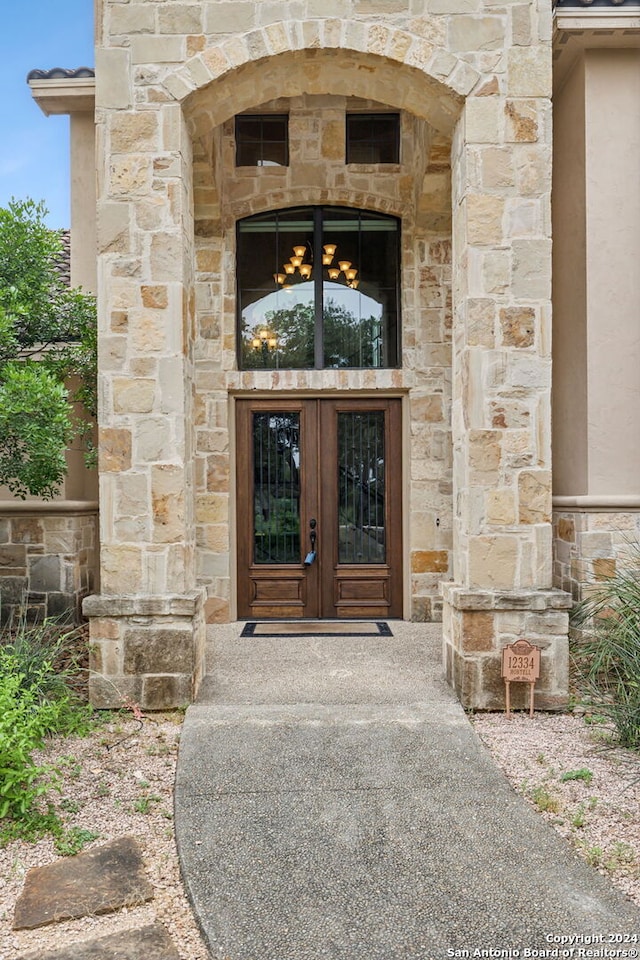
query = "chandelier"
{"x": 344, "y": 272}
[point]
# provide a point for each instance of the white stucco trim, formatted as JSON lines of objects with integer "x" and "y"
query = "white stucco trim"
{"x": 620, "y": 502}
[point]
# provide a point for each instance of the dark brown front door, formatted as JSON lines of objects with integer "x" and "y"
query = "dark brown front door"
{"x": 319, "y": 508}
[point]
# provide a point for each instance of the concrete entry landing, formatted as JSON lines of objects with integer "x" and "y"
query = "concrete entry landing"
{"x": 333, "y": 801}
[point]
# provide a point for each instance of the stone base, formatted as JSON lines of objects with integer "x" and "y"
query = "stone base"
{"x": 147, "y": 650}
{"x": 590, "y": 541}
{"x": 478, "y": 624}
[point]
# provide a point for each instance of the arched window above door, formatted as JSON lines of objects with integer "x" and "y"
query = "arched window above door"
{"x": 318, "y": 287}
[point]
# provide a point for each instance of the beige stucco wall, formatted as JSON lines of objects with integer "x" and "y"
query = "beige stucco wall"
{"x": 613, "y": 277}
{"x": 596, "y": 208}
{"x": 83, "y": 202}
{"x": 570, "y": 435}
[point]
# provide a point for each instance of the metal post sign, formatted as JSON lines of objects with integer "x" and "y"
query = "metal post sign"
{"x": 520, "y": 664}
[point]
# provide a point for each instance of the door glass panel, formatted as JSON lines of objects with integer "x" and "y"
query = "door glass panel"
{"x": 276, "y": 496}
{"x": 361, "y": 487}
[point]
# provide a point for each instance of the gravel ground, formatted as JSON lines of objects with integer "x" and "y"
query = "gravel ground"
{"x": 567, "y": 768}
{"x": 120, "y": 782}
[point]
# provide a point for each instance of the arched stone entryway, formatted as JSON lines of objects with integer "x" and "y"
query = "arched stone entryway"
{"x": 160, "y": 206}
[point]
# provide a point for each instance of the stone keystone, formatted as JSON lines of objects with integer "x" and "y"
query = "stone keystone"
{"x": 141, "y": 944}
{"x": 97, "y": 881}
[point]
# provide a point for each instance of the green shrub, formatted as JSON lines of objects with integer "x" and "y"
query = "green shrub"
{"x": 24, "y": 723}
{"x": 35, "y": 702}
{"x": 606, "y": 647}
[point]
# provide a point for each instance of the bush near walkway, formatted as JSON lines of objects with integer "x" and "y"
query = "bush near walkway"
{"x": 606, "y": 647}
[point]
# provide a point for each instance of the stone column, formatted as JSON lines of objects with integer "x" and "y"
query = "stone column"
{"x": 146, "y": 626}
{"x": 502, "y": 380}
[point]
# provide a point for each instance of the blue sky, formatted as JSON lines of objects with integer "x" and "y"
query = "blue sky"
{"x": 34, "y": 149}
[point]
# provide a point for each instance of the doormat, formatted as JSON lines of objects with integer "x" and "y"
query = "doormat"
{"x": 316, "y": 628}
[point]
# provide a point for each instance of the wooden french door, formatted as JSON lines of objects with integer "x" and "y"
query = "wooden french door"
{"x": 319, "y": 494}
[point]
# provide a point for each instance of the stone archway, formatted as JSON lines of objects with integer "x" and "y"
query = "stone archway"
{"x": 497, "y": 107}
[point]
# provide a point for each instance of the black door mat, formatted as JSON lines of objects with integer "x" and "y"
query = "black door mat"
{"x": 316, "y": 628}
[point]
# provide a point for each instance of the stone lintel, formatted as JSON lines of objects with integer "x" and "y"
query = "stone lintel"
{"x": 461, "y": 598}
{"x": 124, "y": 605}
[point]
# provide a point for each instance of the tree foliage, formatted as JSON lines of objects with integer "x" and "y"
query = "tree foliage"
{"x": 47, "y": 335}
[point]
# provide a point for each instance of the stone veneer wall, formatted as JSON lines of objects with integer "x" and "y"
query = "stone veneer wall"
{"x": 589, "y": 543}
{"x": 48, "y": 560}
{"x": 170, "y": 75}
{"x": 417, "y": 190}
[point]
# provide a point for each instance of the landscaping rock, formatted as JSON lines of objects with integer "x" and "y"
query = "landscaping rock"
{"x": 96, "y": 881}
{"x": 142, "y": 944}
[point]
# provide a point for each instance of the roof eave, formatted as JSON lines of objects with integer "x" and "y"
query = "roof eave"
{"x": 64, "y": 95}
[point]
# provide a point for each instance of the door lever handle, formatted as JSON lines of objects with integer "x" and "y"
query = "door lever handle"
{"x": 310, "y": 557}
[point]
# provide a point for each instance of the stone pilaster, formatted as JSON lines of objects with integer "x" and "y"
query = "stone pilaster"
{"x": 501, "y": 424}
{"x": 146, "y": 626}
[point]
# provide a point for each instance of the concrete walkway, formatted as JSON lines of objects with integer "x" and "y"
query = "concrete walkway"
{"x": 333, "y": 801}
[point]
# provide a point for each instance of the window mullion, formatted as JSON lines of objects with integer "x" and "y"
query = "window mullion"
{"x": 318, "y": 291}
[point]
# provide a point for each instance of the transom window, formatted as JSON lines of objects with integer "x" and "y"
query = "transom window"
{"x": 262, "y": 140}
{"x": 318, "y": 287}
{"x": 373, "y": 138}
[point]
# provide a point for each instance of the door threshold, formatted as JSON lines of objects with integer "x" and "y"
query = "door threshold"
{"x": 316, "y": 628}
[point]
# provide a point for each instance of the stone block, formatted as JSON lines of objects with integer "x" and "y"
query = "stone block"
{"x": 483, "y": 120}
{"x": 13, "y": 556}
{"x": 115, "y": 449}
{"x": 133, "y": 133}
{"x": 133, "y": 396}
{"x": 229, "y": 17}
{"x": 521, "y": 121}
{"x": 421, "y": 609}
{"x": 27, "y": 530}
{"x": 180, "y": 18}
{"x": 477, "y": 631}
{"x": 604, "y": 568}
{"x": 485, "y": 454}
{"x": 534, "y": 496}
{"x": 500, "y": 507}
{"x": 484, "y": 219}
{"x": 518, "y": 326}
{"x": 493, "y": 561}
{"x": 61, "y": 605}
{"x": 467, "y": 33}
{"x": 157, "y": 649}
{"x": 96, "y": 881}
{"x": 167, "y": 503}
{"x": 529, "y": 71}
{"x": 113, "y": 83}
{"x": 216, "y": 610}
{"x": 45, "y": 573}
{"x": 429, "y": 561}
{"x": 110, "y": 693}
{"x": 13, "y": 590}
{"x": 166, "y": 692}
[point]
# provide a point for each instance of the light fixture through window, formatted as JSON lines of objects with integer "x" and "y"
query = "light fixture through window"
{"x": 297, "y": 264}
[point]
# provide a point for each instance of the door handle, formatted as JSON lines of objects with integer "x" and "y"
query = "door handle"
{"x": 310, "y": 557}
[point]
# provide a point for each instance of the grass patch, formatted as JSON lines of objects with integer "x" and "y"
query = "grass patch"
{"x": 582, "y": 774}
